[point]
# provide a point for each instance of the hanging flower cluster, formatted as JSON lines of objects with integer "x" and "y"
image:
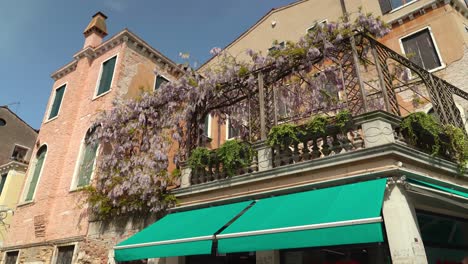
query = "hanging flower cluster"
{"x": 132, "y": 172}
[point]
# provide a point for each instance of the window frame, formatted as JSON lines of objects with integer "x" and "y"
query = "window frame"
{"x": 74, "y": 183}
{"x": 401, "y": 7}
{"x": 30, "y": 175}
{"x": 51, "y": 103}
{"x": 2, "y": 186}
{"x": 98, "y": 81}
{"x": 208, "y": 133}
{"x": 436, "y": 47}
{"x": 56, "y": 251}
{"x": 156, "y": 78}
{"x": 21, "y": 146}
{"x": 282, "y": 45}
{"x": 318, "y": 22}
{"x": 228, "y": 121}
{"x": 6, "y": 252}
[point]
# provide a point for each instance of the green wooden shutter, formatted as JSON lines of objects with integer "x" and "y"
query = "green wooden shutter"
{"x": 106, "y": 76}
{"x": 57, "y": 102}
{"x": 87, "y": 164}
{"x": 159, "y": 81}
{"x": 35, "y": 176}
{"x": 2, "y": 182}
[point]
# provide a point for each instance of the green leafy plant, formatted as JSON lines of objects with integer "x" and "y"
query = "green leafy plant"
{"x": 284, "y": 135}
{"x": 318, "y": 125}
{"x": 457, "y": 145}
{"x": 343, "y": 119}
{"x": 422, "y": 131}
{"x": 233, "y": 155}
{"x": 199, "y": 158}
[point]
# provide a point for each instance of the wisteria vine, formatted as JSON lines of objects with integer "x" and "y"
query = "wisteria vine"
{"x": 136, "y": 135}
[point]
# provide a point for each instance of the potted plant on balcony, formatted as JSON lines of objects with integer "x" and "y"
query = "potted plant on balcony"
{"x": 234, "y": 155}
{"x": 284, "y": 135}
{"x": 318, "y": 126}
{"x": 422, "y": 131}
{"x": 199, "y": 160}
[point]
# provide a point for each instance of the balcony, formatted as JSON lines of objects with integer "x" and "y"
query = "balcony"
{"x": 376, "y": 97}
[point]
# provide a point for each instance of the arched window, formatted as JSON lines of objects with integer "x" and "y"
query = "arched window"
{"x": 86, "y": 161}
{"x": 36, "y": 173}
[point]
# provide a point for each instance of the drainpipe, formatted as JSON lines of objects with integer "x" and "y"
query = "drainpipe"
{"x": 344, "y": 11}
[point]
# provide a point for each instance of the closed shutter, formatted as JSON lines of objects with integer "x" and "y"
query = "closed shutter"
{"x": 36, "y": 173}
{"x": 11, "y": 257}
{"x": 428, "y": 51}
{"x": 159, "y": 81}
{"x": 420, "y": 49}
{"x": 57, "y": 102}
{"x": 2, "y": 182}
{"x": 106, "y": 76}
{"x": 87, "y": 164}
{"x": 65, "y": 255}
{"x": 385, "y": 6}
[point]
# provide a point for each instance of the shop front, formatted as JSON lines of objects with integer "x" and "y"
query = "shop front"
{"x": 315, "y": 223}
{"x": 342, "y": 224}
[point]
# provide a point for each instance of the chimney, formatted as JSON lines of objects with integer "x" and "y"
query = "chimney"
{"x": 95, "y": 31}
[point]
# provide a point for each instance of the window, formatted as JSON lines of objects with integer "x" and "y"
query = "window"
{"x": 107, "y": 73}
{"x": 320, "y": 23}
{"x": 65, "y": 254}
{"x": 160, "y": 80}
{"x": 36, "y": 172}
{"x": 233, "y": 130}
{"x": 19, "y": 153}
{"x": 54, "y": 110}
{"x": 86, "y": 162}
{"x": 276, "y": 47}
{"x": 2, "y": 182}
{"x": 2, "y": 122}
{"x": 207, "y": 126}
{"x": 389, "y": 5}
{"x": 421, "y": 49}
{"x": 11, "y": 257}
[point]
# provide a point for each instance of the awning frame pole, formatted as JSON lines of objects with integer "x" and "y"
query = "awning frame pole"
{"x": 166, "y": 242}
{"x": 303, "y": 227}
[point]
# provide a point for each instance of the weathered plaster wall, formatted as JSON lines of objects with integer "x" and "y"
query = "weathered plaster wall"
{"x": 14, "y": 132}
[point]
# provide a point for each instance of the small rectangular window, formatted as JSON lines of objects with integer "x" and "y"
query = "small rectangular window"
{"x": 389, "y": 5}
{"x": 317, "y": 24}
{"x": 420, "y": 49}
{"x": 276, "y": 47}
{"x": 11, "y": 257}
{"x": 19, "y": 153}
{"x": 2, "y": 182}
{"x": 107, "y": 74}
{"x": 160, "y": 80}
{"x": 233, "y": 130}
{"x": 57, "y": 101}
{"x": 207, "y": 126}
{"x": 65, "y": 254}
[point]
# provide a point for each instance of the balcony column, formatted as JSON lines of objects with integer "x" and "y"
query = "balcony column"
{"x": 185, "y": 173}
{"x": 377, "y": 128}
{"x": 404, "y": 238}
{"x": 264, "y": 155}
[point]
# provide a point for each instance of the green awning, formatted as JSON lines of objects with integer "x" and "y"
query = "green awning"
{"x": 346, "y": 214}
{"x": 179, "y": 234}
{"x": 459, "y": 192}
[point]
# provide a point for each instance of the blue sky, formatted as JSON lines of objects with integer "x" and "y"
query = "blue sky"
{"x": 38, "y": 37}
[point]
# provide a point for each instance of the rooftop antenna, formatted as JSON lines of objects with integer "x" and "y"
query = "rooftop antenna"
{"x": 18, "y": 104}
